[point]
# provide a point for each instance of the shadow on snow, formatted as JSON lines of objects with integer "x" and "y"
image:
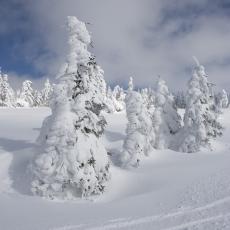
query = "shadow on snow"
{"x": 22, "y": 154}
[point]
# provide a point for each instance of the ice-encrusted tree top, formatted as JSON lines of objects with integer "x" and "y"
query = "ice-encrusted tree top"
{"x": 79, "y": 39}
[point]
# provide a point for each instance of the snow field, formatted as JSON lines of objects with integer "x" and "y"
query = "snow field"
{"x": 169, "y": 190}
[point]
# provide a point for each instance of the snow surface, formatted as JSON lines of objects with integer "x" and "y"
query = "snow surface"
{"x": 169, "y": 190}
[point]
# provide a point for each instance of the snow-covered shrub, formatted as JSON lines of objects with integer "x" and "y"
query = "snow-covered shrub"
{"x": 200, "y": 119}
{"x": 139, "y": 134}
{"x": 166, "y": 120}
{"x": 73, "y": 161}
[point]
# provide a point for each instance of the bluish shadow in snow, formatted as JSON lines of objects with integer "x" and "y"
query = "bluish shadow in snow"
{"x": 114, "y": 156}
{"x": 10, "y": 145}
{"x": 114, "y": 136}
{"x": 22, "y": 154}
{"x": 37, "y": 129}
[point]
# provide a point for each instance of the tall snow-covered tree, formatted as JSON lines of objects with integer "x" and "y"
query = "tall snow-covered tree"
{"x": 166, "y": 120}
{"x": 46, "y": 93}
{"x": 200, "y": 119}
{"x": 139, "y": 133}
{"x": 26, "y": 97}
{"x": 193, "y": 134}
{"x": 73, "y": 161}
{"x": 7, "y": 97}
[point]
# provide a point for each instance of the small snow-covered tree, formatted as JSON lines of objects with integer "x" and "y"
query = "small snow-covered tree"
{"x": 7, "y": 97}
{"x": 74, "y": 162}
{"x": 223, "y": 99}
{"x": 130, "y": 85}
{"x": 26, "y": 97}
{"x": 148, "y": 96}
{"x": 118, "y": 98}
{"x": 166, "y": 120}
{"x": 109, "y": 104}
{"x": 200, "y": 119}
{"x": 139, "y": 134}
{"x": 114, "y": 99}
{"x": 46, "y": 93}
{"x": 38, "y": 100}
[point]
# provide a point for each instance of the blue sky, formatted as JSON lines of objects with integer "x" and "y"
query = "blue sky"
{"x": 136, "y": 38}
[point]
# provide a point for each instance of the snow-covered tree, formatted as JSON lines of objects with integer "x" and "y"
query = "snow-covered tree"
{"x": 118, "y": 97}
{"x": 193, "y": 134}
{"x": 180, "y": 99}
{"x": 46, "y": 93}
{"x": 223, "y": 99}
{"x": 114, "y": 99}
{"x": 73, "y": 161}
{"x": 200, "y": 119}
{"x": 7, "y": 97}
{"x": 166, "y": 120}
{"x": 109, "y": 104}
{"x": 130, "y": 85}
{"x": 38, "y": 100}
{"x": 26, "y": 97}
{"x": 139, "y": 131}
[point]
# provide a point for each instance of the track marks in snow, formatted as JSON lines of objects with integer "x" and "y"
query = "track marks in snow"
{"x": 209, "y": 216}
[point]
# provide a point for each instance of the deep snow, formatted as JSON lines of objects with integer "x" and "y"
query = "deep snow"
{"x": 170, "y": 190}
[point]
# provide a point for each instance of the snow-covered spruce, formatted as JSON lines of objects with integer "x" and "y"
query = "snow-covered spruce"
{"x": 200, "y": 119}
{"x": 73, "y": 161}
{"x": 130, "y": 84}
{"x": 37, "y": 98}
{"x": 46, "y": 93}
{"x": 109, "y": 104}
{"x": 114, "y": 100}
{"x": 223, "y": 100}
{"x": 139, "y": 133}
{"x": 165, "y": 119}
{"x": 7, "y": 97}
{"x": 118, "y": 97}
{"x": 26, "y": 95}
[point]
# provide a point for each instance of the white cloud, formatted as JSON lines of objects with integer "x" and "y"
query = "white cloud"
{"x": 139, "y": 38}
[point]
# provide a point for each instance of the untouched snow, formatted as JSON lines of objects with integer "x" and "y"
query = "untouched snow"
{"x": 170, "y": 190}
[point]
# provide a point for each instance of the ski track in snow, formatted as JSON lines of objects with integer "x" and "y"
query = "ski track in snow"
{"x": 214, "y": 215}
{"x": 195, "y": 218}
